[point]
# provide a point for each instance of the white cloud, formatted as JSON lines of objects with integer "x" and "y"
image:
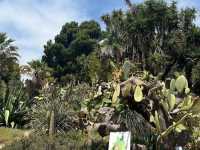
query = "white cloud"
{"x": 37, "y": 22}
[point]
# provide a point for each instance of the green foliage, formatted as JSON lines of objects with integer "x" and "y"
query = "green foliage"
{"x": 73, "y": 41}
{"x": 172, "y": 101}
{"x": 196, "y": 77}
{"x": 65, "y": 102}
{"x": 14, "y": 105}
{"x": 134, "y": 122}
{"x": 92, "y": 68}
{"x": 156, "y": 35}
{"x": 172, "y": 85}
{"x": 7, "y": 115}
{"x": 158, "y": 62}
{"x": 116, "y": 94}
{"x": 183, "y": 110}
{"x": 104, "y": 97}
{"x": 9, "y": 67}
{"x": 187, "y": 104}
{"x": 138, "y": 95}
{"x": 179, "y": 128}
{"x": 152, "y": 38}
{"x": 126, "y": 68}
{"x": 181, "y": 84}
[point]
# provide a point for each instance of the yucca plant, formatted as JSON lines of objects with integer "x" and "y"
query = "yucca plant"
{"x": 13, "y": 104}
{"x": 63, "y": 103}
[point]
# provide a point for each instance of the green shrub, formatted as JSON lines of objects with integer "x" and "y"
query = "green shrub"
{"x": 196, "y": 78}
{"x": 65, "y": 102}
{"x": 14, "y": 104}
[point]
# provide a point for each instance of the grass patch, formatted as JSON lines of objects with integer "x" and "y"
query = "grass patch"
{"x": 8, "y": 135}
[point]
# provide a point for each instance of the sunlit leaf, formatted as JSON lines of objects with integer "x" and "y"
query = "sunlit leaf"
{"x": 187, "y": 90}
{"x": 152, "y": 119}
{"x": 172, "y": 101}
{"x": 179, "y": 128}
{"x": 165, "y": 105}
{"x": 157, "y": 122}
{"x": 172, "y": 85}
{"x": 116, "y": 94}
{"x": 181, "y": 83}
{"x": 186, "y": 104}
{"x": 138, "y": 95}
{"x": 12, "y": 124}
{"x": 7, "y": 115}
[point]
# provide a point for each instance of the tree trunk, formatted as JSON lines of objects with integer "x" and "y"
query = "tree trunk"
{"x": 188, "y": 73}
{"x": 52, "y": 124}
{"x": 168, "y": 69}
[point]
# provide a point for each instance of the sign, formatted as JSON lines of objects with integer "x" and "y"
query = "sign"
{"x": 120, "y": 141}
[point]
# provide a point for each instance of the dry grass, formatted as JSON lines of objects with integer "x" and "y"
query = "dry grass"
{"x": 8, "y": 135}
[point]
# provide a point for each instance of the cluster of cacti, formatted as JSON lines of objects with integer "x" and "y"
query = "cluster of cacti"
{"x": 174, "y": 102}
{"x": 177, "y": 95}
{"x": 180, "y": 84}
{"x": 177, "y": 101}
{"x": 133, "y": 89}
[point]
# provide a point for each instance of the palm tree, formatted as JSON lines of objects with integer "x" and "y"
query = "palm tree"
{"x": 41, "y": 72}
{"x": 9, "y": 66}
{"x": 38, "y": 76}
{"x": 37, "y": 70}
{"x": 131, "y": 6}
{"x": 128, "y": 3}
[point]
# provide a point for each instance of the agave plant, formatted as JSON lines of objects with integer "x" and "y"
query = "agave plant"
{"x": 13, "y": 104}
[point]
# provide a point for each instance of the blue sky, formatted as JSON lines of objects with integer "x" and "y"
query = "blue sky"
{"x": 32, "y": 22}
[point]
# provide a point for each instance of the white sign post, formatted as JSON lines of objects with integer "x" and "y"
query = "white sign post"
{"x": 120, "y": 141}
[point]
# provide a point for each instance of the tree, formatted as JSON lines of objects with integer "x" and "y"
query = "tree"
{"x": 72, "y": 42}
{"x": 155, "y": 31}
{"x": 9, "y": 67}
{"x": 40, "y": 77}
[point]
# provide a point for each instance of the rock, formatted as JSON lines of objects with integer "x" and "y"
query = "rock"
{"x": 105, "y": 128}
{"x": 107, "y": 113}
{"x": 139, "y": 147}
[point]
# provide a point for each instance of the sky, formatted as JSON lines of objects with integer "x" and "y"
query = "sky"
{"x": 31, "y": 23}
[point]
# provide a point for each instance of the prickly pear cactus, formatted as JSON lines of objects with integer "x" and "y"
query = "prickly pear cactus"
{"x": 138, "y": 95}
{"x": 116, "y": 94}
{"x": 181, "y": 83}
{"x": 172, "y": 85}
{"x": 171, "y": 101}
